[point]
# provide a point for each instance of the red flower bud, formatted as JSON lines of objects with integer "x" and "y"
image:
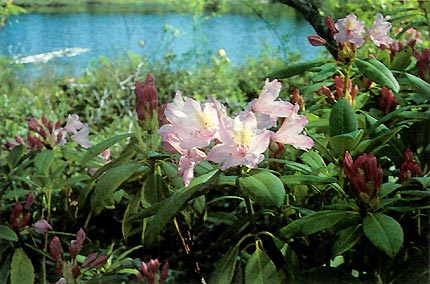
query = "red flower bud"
{"x": 409, "y": 168}
{"x": 365, "y": 175}
{"x": 388, "y": 101}
{"x": 42, "y": 226}
{"x": 316, "y": 40}
{"x": 29, "y": 201}
{"x": 55, "y": 249}
{"x": 146, "y": 98}
{"x": 329, "y": 23}
{"x": 296, "y": 98}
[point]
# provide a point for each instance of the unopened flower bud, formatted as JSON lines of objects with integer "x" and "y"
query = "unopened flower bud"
{"x": 29, "y": 201}
{"x": 329, "y": 23}
{"x": 296, "y": 98}
{"x": 316, "y": 40}
{"x": 409, "y": 168}
{"x": 388, "y": 101}
{"x": 55, "y": 249}
{"x": 146, "y": 99}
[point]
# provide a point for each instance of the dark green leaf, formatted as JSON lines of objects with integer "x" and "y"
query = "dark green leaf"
{"x": 378, "y": 73}
{"x": 168, "y": 208}
{"x": 110, "y": 182}
{"x": 306, "y": 179}
{"x": 22, "y": 270}
{"x": 100, "y": 147}
{"x": 347, "y": 238}
{"x": 225, "y": 267}
{"x": 293, "y": 69}
{"x": 6, "y": 233}
{"x": 132, "y": 208}
{"x": 260, "y": 269}
{"x": 264, "y": 188}
{"x": 15, "y": 155}
{"x": 402, "y": 59}
{"x": 384, "y": 232}
{"x": 342, "y": 118}
{"x": 419, "y": 85}
{"x": 347, "y": 141}
{"x": 43, "y": 161}
{"x": 315, "y": 222}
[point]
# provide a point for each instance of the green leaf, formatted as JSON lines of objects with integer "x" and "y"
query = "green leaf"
{"x": 15, "y": 155}
{"x": 347, "y": 141}
{"x": 6, "y": 233}
{"x": 43, "y": 161}
{"x": 110, "y": 182}
{"x": 168, "y": 208}
{"x": 225, "y": 267}
{"x": 132, "y": 208}
{"x": 22, "y": 270}
{"x": 419, "y": 85}
{"x": 342, "y": 118}
{"x": 347, "y": 238}
{"x": 100, "y": 147}
{"x": 306, "y": 179}
{"x": 260, "y": 269}
{"x": 293, "y": 69}
{"x": 264, "y": 188}
{"x": 384, "y": 232}
{"x": 377, "y": 72}
{"x": 316, "y": 222}
{"x": 402, "y": 59}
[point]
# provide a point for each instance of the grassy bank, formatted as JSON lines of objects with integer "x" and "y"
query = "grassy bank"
{"x": 141, "y": 6}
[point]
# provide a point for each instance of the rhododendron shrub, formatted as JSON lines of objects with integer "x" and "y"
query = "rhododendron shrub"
{"x": 205, "y": 131}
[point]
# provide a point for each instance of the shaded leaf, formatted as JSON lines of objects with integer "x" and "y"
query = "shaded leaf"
{"x": 342, "y": 118}
{"x": 347, "y": 238}
{"x": 225, "y": 267}
{"x": 419, "y": 85}
{"x": 22, "y": 270}
{"x": 260, "y": 269}
{"x": 43, "y": 161}
{"x": 6, "y": 233}
{"x": 384, "y": 232}
{"x": 100, "y": 147}
{"x": 315, "y": 222}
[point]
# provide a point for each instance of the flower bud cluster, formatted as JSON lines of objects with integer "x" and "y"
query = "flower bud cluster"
{"x": 50, "y": 134}
{"x": 151, "y": 271}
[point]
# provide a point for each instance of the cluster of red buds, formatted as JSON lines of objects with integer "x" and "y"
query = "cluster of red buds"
{"x": 409, "y": 168}
{"x": 146, "y": 101}
{"x": 51, "y": 134}
{"x": 339, "y": 85}
{"x": 296, "y": 98}
{"x": 365, "y": 177}
{"x": 20, "y": 216}
{"x": 151, "y": 272}
{"x": 70, "y": 270}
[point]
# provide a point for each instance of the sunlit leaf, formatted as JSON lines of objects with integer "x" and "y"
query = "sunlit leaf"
{"x": 264, "y": 188}
{"x": 378, "y": 73}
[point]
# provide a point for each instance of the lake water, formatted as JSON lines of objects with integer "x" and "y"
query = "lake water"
{"x": 70, "y": 41}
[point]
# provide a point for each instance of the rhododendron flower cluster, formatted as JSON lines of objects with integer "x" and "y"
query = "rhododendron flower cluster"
{"x": 51, "y": 134}
{"x": 351, "y": 31}
{"x": 205, "y": 132}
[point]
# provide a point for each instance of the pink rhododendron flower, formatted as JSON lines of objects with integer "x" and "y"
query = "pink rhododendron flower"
{"x": 79, "y": 130}
{"x": 350, "y": 30}
{"x": 195, "y": 125}
{"x": 267, "y": 107}
{"x": 378, "y": 31}
{"x": 289, "y": 132}
{"x": 242, "y": 144}
{"x": 189, "y": 157}
{"x": 42, "y": 226}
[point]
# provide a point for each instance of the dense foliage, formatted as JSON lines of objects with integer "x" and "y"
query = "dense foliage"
{"x": 312, "y": 172}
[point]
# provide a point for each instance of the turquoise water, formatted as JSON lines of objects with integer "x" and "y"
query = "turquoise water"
{"x": 70, "y": 41}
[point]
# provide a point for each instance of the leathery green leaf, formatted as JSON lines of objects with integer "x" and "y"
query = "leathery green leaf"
{"x": 384, "y": 232}
{"x": 378, "y": 73}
